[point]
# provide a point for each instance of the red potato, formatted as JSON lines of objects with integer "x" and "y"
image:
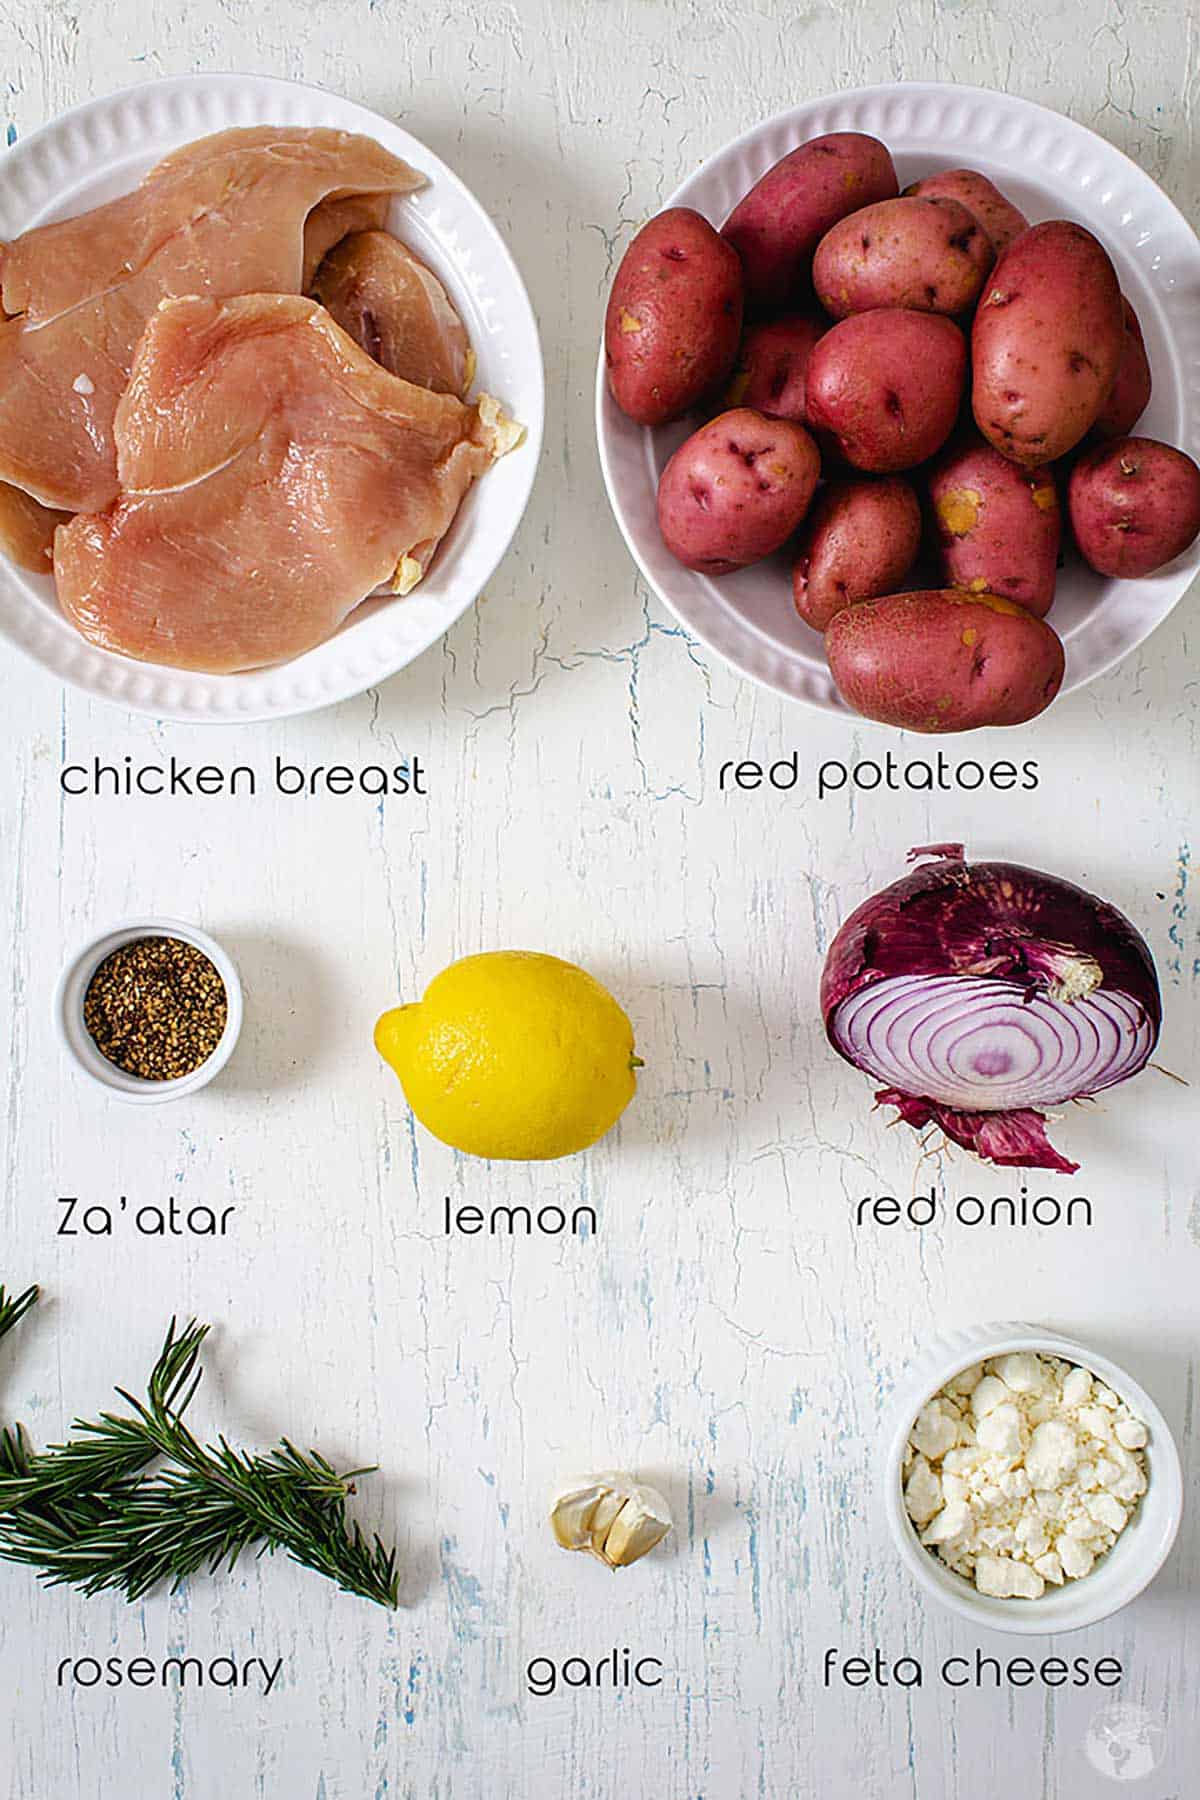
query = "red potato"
{"x": 674, "y": 317}
{"x": 772, "y": 364}
{"x": 776, "y": 226}
{"x": 942, "y": 660}
{"x": 997, "y": 526}
{"x": 887, "y": 386}
{"x": 999, "y": 217}
{"x": 1130, "y": 393}
{"x": 860, "y": 539}
{"x": 1134, "y": 505}
{"x": 932, "y": 255}
{"x": 736, "y": 490}
{"x": 1047, "y": 342}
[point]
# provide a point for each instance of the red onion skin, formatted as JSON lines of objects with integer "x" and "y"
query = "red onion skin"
{"x": 954, "y": 917}
{"x": 1010, "y": 1139}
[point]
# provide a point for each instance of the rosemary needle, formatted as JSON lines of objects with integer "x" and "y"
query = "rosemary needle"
{"x": 88, "y": 1514}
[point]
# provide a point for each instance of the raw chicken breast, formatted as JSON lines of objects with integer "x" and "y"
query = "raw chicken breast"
{"x": 397, "y": 310}
{"x": 333, "y": 220}
{"x": 273, "y": 476}
{"x": 225, "y": 215}
{"x": 27, "y": 529}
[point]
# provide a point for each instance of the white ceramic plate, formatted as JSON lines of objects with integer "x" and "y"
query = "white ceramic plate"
{"x": 1049, "y": 167}
{"x": 102, "y": 149}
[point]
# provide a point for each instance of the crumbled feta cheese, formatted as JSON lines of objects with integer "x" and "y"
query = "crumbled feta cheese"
{"x": 1077, "y": 1560}
{"x": 1096, "y": 1422}
{"x": 967, "y": 1381}
{"x": 1108, "y": 1472}
{"x": 952, "y": 1522}
{"x": 1076, "y": 1389}
{"x": 1050, "y": 1568}
{"x": 83, "y": 384}
{"x": 1022, "y": 1372}
{"x": 993, "y": 1575}
{"x": 1023, "y": 1471}
{"x": 936, "y": 1430}
{"x": 1130, "y": 1485}
{"x": 922, "y": 1493}
{"x": 1107, "y": 1510}
{"x": 989, "y": 1393}
{"x": 1006, "y": 1579}
{"x": 1027, "y": 1583}
{"x": 1000, "y": 1431}
{"x": 1052, "y": 1454}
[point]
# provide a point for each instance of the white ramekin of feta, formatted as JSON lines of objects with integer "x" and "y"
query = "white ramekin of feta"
{"x": 1030, "y": 1484}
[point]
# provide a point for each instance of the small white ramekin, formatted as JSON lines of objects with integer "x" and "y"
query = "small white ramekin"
{"x": 73, "y": 986}
{"x": 1118, "y": 1577}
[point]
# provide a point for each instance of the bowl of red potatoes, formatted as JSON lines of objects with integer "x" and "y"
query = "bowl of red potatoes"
{"x": 898, "y": 400}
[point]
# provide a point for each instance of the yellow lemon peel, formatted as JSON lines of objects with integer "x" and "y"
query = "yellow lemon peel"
{"x": 513, "y": 1055}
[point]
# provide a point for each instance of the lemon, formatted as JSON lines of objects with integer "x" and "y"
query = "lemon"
{"x": 513, "y": 1055}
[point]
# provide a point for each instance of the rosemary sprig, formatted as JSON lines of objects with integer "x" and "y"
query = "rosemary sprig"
{"x": 12, "y": 1310}
{"x": 85, "y": 1513}
{"x": 109, "y": 1453}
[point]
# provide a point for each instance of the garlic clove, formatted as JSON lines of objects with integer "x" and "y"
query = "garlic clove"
{"x": 572, "y": 1511}
{"x": 604, "y": 1517}
{"x": 642, "y": 1522}
{"x": 611, "y": 1515}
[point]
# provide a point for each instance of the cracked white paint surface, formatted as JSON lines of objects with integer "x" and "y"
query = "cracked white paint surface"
{"x": 728, "y": 1334}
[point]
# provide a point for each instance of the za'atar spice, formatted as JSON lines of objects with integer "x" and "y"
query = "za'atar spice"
{"x": 156, "y": 1008}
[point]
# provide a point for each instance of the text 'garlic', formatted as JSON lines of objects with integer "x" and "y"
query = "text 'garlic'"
{"x": 613, "y": 1516}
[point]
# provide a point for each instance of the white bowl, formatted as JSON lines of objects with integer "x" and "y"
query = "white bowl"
{"x": 1051, "y": 168}
{"x": 68, "y": 1012}
{"x": 103, "y": 148}
{"x": 1118, "y": 1577}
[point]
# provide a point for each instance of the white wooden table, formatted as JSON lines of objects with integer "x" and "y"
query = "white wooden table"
{"x": 728, "y": 1332}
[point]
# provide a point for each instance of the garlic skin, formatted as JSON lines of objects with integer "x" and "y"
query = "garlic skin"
{"x": 612, "y": 1516}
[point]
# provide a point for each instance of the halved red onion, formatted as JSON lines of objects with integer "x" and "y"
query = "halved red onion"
{"x": 979, "y": 993}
